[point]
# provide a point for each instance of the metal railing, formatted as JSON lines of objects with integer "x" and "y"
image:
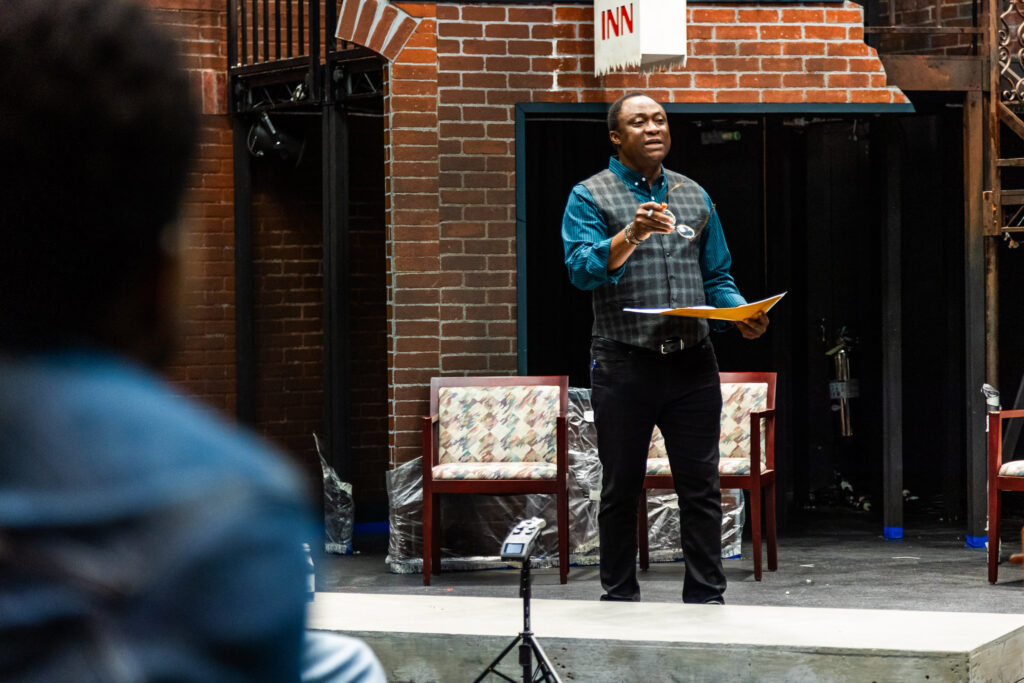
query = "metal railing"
{"x": 262, "y": 32}
{"x": 1009, "y": 43}
{"x": 283, "y": 54}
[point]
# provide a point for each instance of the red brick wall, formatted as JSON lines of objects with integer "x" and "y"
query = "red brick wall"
{"x": 286, "y": 249}
{"x": 455, "y": 74}
{"x": 450, "y": 158}
{"x": 287, "y": 235}
{"x": 368, "y": 316}
{"x": 287, "y": 255}
{"x": 413, "y": 246}
{"x": 205, "y": 366}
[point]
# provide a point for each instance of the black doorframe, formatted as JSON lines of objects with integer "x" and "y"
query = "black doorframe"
{"x": 335, "y": 211}
{"x": 245, "y": 331}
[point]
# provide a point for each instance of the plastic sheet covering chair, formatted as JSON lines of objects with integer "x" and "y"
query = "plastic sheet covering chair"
{"x": 497, "y": 435}
{"x": 1002, "y": 476}
{"x": 747, "y": 450}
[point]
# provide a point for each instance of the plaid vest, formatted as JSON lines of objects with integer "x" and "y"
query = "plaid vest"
{"x": 663, "y": 272}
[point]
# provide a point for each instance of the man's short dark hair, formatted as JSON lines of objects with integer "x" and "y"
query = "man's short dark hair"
{"x": 97, "y": 129}
{"x": 616, "y": 107}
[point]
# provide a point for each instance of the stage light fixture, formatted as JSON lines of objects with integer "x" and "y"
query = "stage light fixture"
{"x": 267, "y": 140}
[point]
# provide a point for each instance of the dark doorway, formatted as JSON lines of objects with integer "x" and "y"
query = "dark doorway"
{"x": 294, "y": 299}
{"x": 803, "y": 200}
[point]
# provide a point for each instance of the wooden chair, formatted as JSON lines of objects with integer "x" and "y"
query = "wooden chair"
{"x": 747, "y": 458}
{"x": 1018, "y": 558}
{"x": 498, "y": 435}
{"x": 1002, "y": 476}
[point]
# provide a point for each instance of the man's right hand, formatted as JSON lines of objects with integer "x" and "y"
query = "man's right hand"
{"x": 650, "y": 218}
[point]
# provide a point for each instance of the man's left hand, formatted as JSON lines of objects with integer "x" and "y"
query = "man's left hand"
{"x": 752, "y": 328}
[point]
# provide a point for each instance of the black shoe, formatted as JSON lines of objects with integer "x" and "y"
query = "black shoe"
{"x": 616, "y": 598}
{"x": 707, "y": 601}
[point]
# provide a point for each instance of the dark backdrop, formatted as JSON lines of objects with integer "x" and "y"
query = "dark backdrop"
{"x": 803, "y": 204}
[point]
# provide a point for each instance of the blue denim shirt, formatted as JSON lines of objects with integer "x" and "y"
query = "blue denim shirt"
{"x": 144, "y": 539}
{"x": 587, "y": 240}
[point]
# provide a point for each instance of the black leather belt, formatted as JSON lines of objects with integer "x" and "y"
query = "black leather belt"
{"x": 665, "y": 348}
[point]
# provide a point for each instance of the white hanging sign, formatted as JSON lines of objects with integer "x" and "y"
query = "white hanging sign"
{"x": 649, "y": 34}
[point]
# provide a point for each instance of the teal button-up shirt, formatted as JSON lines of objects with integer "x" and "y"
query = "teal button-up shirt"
{"x": 587, "y": 240}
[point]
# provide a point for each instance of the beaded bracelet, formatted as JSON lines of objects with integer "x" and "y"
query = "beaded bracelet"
{"x": 630, "y": 237}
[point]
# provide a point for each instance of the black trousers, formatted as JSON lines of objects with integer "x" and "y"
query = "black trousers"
{"x": 633, "y": 390}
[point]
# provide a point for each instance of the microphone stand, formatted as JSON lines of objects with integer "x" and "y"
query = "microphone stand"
{"x": 528, "y": 645}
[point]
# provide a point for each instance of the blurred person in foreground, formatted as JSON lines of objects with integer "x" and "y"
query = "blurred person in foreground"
{"x": 141, "y": 538}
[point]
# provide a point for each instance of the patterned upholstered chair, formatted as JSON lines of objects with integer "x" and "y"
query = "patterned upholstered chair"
{"x": 747, "y": 449}
{"x": 498, "y": 435}
{"x": 1002, "y": 476}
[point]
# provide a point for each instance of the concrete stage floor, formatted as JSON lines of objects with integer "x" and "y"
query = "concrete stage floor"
{"x": 841, "y": 561}
{"x": 844, "y": 605}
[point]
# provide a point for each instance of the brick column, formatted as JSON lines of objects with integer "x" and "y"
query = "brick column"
{"x": 205, "y": 365}
{"x": 414, "y": 268}
{"x": 405, "y": 34}
{"x": 477, "y": 45}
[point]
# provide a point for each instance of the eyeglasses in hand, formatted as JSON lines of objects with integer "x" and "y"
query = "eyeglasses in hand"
{"x": 682, "y": 228}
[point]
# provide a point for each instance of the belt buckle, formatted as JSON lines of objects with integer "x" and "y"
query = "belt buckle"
{"x": 670, "y": 346}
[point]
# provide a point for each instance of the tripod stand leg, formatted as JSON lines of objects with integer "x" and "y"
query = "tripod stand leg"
{"x": 491, "y": 668}
{"x": 529, "y": 645}
{"x": 545, "y": 670}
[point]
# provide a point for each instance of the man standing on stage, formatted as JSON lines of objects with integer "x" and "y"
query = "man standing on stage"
{"x": 621, "y": 241}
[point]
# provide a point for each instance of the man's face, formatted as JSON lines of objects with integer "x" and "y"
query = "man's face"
{"x": 643, "y": 138}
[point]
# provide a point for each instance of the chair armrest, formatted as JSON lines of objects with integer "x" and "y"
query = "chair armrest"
{"x": 429, "y": 432}
{"x": 1007, "y": 414}
{"x": 768, "y": 414}
{"x": 561, "y": 450}
{"x": 995, "y": 438}
{"x": 994, "y": 427}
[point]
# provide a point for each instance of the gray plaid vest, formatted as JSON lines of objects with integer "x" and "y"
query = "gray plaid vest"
{"x": 663, "y": 272}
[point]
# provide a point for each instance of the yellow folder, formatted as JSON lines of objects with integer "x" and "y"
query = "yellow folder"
{"x": 735, "y": 313}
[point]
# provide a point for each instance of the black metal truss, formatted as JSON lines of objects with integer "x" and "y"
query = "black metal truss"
{"x": 352, "y": 78}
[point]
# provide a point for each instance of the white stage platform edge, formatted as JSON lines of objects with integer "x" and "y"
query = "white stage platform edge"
{"x": 449, "y": 638}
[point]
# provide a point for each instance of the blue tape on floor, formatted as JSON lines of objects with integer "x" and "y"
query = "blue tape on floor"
{"x": 892, "y": 532}
{"x": 977, "y": 541}
{"x": 370, "y": 528}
